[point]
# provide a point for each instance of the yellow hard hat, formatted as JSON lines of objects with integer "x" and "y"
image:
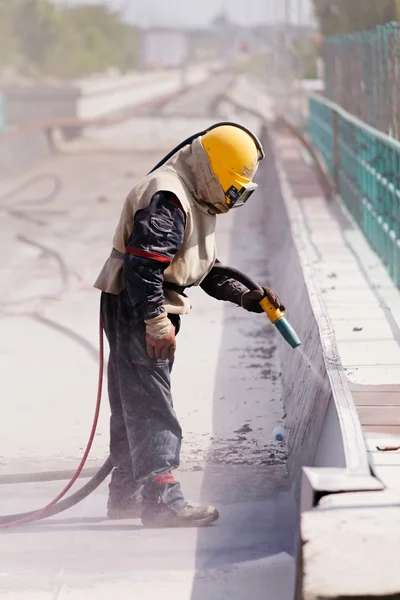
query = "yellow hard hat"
{"x": 234, "y": 153}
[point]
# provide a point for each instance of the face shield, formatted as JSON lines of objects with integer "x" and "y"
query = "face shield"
{"x": 236, "y": 198}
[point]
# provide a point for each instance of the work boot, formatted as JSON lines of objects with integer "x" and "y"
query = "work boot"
{"x": 164, "y": 505}
{"x": 162, "y": 515}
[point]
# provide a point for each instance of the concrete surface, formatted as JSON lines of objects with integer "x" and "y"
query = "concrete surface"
{"x": 227, "y": 393}
{"x": 361, "y": 560}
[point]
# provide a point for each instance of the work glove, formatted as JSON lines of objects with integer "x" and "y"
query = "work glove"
{"x": 160, "y": 338}
{"x": 163, "y": 348}
{"x": 251, "y": 300}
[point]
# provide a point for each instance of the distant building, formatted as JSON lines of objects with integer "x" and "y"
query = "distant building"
{"x": 163, "y": 48}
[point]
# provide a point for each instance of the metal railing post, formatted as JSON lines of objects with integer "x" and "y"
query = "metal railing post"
{"x": 336, "y": 150}
{"x": 364, "y": 164}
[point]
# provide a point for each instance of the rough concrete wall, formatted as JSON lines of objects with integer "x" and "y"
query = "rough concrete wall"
{"x": 306, "y": 388}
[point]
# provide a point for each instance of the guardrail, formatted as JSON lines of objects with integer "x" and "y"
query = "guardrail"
{"x": 365, "y": 166}
{"x": 362, "y": 75}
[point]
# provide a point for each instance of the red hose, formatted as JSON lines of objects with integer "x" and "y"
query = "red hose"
{"x": 41, "y": 513}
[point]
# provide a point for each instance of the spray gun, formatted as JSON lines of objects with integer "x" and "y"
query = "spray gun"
{"x": 276, "y": 316}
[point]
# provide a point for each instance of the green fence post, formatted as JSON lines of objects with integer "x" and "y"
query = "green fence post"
{"x": 336, "y": 151}
{"x": 365, "y": 166}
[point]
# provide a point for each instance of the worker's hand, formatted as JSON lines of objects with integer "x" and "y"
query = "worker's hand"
{"x": 162, "y": 349}
{"x": 251, "y": 300}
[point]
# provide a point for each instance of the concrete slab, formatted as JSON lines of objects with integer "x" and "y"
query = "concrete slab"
{"x": 377, "y": 398}
{"x": 358, "y": 353}
{"x": 82, "y": 553}
{"x": 385, "y": 459}
{"x": 366, "y": 330}
{"x": 226, "y": 376}
{"x": 379, "y": 415}
{"x": 366, "y": 521}
{"x": 374, "y": 374}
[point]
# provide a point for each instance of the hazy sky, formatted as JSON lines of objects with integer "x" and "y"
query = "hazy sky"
{"x": 199, "y": 12}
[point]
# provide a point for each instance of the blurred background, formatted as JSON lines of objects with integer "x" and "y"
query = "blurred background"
{"x": 53, "y": 52}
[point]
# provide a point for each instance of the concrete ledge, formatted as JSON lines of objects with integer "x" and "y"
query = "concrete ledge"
{"x": 350, "y": 548}
{"x": 317, "y": 483}
{"x": 322, "y": 422}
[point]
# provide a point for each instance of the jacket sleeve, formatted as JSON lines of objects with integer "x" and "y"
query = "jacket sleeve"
{"x": 221, "y": 287}
{"x": 156, "y": 237}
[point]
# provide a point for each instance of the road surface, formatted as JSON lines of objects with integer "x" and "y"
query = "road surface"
{"x": 226, "y": 385}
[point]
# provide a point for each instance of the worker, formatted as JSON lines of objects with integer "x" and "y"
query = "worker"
{"x": 163, "y": 244}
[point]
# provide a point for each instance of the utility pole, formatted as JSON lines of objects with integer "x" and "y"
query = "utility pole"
{"x": 123, "y": 12}
{"x": 300, "y": 12}
{"x": 301, "y": 61}
{"x": 287, "y": 11}
{"x": 287, "y": 66}
{"x": 272, "y": 50}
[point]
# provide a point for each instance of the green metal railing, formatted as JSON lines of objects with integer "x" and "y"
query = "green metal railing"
{"x": 362, "y": 74}
{"x": 365, "y": 165}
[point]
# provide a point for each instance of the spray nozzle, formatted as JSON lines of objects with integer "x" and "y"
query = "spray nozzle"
{"x": 275, "y": 315}
{"x": 277, "y": 318}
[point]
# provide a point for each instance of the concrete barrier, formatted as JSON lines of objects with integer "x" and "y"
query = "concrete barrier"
{"x": 25, "y": 104}
{"x": 306, "y": 385}
{"x": 108, "y": 97}
{"x": 70, "y": 107}
{"x": 324, "y": 428}
{"x": 99, "y": 97}
{"x": 20, "y": 150}
{"x": 90, "y": 98}
{"x": 34, "y": 140}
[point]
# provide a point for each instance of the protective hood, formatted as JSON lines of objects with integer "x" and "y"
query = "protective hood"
{"x": 193, "y": 167}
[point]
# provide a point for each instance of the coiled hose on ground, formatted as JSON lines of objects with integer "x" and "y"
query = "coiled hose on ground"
{"x": 32, "y": 210}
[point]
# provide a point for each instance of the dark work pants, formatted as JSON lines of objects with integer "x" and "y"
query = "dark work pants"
{"x": 145, "y": 435}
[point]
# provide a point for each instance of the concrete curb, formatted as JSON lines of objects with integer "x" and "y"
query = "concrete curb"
{"x": 324, "y": 388}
